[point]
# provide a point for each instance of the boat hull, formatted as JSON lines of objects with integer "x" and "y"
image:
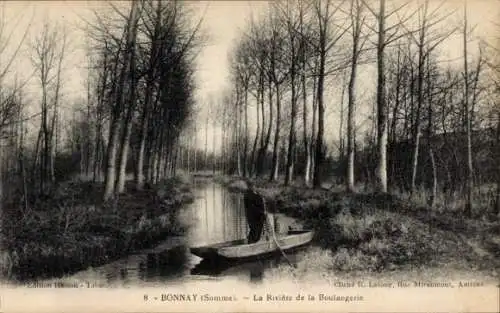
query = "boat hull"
{"x": 239, "y": 250}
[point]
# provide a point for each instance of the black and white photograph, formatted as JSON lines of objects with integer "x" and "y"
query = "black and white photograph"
{"x": 152, "y": 143}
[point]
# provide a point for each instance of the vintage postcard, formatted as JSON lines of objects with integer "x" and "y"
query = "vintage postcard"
{"x": 250, "y": 156}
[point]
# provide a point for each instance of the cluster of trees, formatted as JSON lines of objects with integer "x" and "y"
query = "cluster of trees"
{"x": 430, "y": 116}
{"x": 141, "y": 93}
{"x": 140, "y": 99}
{"x": 434, "y": 123}
{"x": 49, "y": 51}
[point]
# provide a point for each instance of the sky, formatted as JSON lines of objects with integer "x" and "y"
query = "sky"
{"x": 222, "y": 21}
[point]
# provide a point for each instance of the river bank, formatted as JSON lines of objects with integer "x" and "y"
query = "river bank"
{"x": 365, "y": 232}
{"x": 73, "y": 229}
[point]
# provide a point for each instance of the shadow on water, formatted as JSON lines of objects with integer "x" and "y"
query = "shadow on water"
{"x": 255, "y": 270}
{"x": 215, "y": 216}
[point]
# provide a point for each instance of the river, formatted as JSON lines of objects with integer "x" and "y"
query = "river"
{"x": 216, "y": 215}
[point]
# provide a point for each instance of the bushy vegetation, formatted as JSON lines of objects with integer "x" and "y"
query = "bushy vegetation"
{"x": 73, "y": 229}
{"x": 382, "y": 232}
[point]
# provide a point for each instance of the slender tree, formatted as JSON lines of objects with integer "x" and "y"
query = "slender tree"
{"x": 470, "y": 169}
{"x": 357, "y": 21}
{"x": 385, "y": 36}
{"x": 328, "y": 36}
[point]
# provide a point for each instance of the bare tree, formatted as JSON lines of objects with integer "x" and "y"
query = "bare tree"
{"x": 54, "y": 127}
{"x": 426, "y": 43}
{"x": 470, "y": 169}
{"x": 151, "y": 75}
{"x": 243, "y": 72}
{"x": 278, "y": 75}
{"x": 131, "y": 86}
{"x": 305, "y": 57}
{"x": 117, "y": 118}
{"x": 357, "y": 21}
{"x": 328, "y": 36}
{"x": 291, "y": 22}
{"x": 381, "y": 172}
{"x": 45, "y": 60}
{"x": 385, "y": 36}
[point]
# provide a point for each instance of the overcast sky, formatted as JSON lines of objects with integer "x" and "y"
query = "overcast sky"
{"x": 222, "y": 22}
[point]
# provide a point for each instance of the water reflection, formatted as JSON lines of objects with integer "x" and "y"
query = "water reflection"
{"x": 155, "y": 266}
{"x": 254, "y": 270}
{"x": 217, "y": 215}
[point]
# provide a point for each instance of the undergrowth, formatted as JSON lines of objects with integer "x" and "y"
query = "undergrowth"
{"x": 72, "y": 229}
{"x": 384, "y": 232}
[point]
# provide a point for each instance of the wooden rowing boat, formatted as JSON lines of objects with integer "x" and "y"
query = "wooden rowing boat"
{"x": 239, "y": 249}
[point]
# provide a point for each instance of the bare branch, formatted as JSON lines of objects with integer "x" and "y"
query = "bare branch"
{"x": 14, "y": 55}
{"x": 375, "y": 14}
{"x": 398, "y": 9}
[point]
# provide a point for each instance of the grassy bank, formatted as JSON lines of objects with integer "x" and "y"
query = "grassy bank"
{"x": 72, "y": 229}
{"x": 368, "y": 232}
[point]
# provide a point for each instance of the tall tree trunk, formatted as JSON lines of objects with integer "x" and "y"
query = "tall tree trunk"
{"x": 394, "y": 122}
{"x": 55, "y": 117}
{"x": 420, "y": 99}
{"x": 430, "y": 131}
{"x": 96, "y": 173}
{"x": 205, "y": 165}
{"x": 262, "y": 149}
{"x": 139, "y": 169}
{"x": 149, "y": 156}
{"x": 132, "y": 85}
{"x": 223, "y": 156}
{"x": 262, "y": 110}
{"x": 148, "y": 104}
{"x": 305, "y": 125}
{"x": 53, "y": 145}
{"x": 257, "y": 135}
{"x": 381, "y": 170}
{"x": 46, "y": 141}
{"x": 416, "y": 144}
{"x": 351, "y": 93}
{"x": 98, "y": 132}
{"x": 267, "y": 140}
{"x": 432, "y": 197}
{"x": 214, "y": 159}
{"x": 245, "y": 146}
{"x": 312, "y": 141}
{"x": 497, "y": 201}
{"x": 239, "y": 126}
{"x": 112, "y": 152}
{"x": 341, "y": 122}
{"x": 318, "y": 156}
{"x": 293, "y": 117}
{"x": 275, "y": 166}
{"x": 37, "y": 155}
{"x": 160, "y": 157}
{"x": 123, "y": 158}
{"x": 470, "y": 170}
{"x": 116, "y": 119}
{"x": 195, "y": 152}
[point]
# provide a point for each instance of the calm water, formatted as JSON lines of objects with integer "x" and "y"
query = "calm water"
{"x": 216, "y": 215}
